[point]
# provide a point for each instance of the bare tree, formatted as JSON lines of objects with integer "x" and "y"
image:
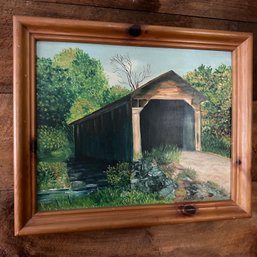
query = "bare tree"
{"x": 123, "y": 67}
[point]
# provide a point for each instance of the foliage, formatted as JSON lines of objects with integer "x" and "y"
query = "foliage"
{"x": 80, "y": 108}
{"x": 86, "y": 74}
{"x": 72, "y": 75}
{"x": 51, "y": 139}
{"x": 164, "y": 154}
{"x": 53, "y": 143}
{"x": 114, "y": 93}
{"x": 53, "y": 86}
{"x": 216, "y": 86}
{"x": 118, "y": 176}
{"x": 107, "y": 197}
{"x": 216, "y": 145}
{"x": 65, "y": 58}
{"x": 52, "y": 175}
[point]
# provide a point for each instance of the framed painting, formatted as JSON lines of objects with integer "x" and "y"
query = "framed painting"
{"x": 122, "y": 125}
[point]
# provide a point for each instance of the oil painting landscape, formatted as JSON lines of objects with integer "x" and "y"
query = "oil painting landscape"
{"x": 131, "y": 125}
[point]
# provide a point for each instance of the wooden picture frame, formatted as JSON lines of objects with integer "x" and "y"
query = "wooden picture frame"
{"x": 27, "y": 30}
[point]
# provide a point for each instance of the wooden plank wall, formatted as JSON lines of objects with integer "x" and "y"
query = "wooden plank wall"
{"x": 224, "y": 238}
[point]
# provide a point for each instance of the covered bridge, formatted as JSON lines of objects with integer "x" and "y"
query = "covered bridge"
{"x": 164, "y": 111}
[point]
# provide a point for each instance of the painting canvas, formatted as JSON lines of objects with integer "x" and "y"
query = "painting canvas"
{"x": 131, "y": 125}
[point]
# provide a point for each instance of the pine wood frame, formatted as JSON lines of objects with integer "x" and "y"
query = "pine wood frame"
{"x": 29, "y": 29}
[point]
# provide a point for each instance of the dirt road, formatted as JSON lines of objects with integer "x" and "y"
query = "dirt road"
{"x": 208, "y": 166}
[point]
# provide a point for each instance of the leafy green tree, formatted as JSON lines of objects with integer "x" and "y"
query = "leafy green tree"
{"x": 53, "y": 86}
{"x": 80, "y": 108}
{"x": 216, "y": 85}
{"x": 114, "y": 93}
{"x": 87, "y": 77}
{"x": 63, "y": 84}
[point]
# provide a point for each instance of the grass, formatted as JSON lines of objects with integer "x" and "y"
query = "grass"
{"x": 219, "y": 146}
{"x": 163, "y": 154}
{"x": 103, "y": 198}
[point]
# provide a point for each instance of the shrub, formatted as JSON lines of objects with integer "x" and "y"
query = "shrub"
{"x": 118, "y": 176}
{"x": 52, "y": 175}
{"x": 53, "y": 142}
{"x": 163, "y": 154}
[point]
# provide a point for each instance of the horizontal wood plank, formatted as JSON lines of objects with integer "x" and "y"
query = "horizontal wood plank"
{"x": 205, "y": 239}
{"x": 215, "y": 9}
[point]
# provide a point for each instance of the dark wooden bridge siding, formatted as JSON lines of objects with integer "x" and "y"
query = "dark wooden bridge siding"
{"x": 106, "y": 136}
{"x": 165, "y": 122}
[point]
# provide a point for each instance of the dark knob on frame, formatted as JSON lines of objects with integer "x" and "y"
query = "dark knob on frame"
{"x": 238, "y": 162}
{"x": 189, "y": 210}
{"x": 135, "y": 30}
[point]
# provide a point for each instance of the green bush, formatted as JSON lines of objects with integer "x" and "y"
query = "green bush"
{"x": 52, "y": 175}
{"x": 216, "y": 145}
{"x": 118, "y": 176}
{"x": 163, "y": 154}
{"x": 53, "y": 143}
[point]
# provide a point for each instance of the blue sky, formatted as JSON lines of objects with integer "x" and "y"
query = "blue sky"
{"x": 161, "y": 59}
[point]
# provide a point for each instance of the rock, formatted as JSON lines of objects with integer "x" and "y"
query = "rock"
{"x": 205, "y": 191}
{"x": 78, "y": 185}
{"x": 148, "y": 177}
{"x": 168, "y": 191}
{"x": 91, "y": 186}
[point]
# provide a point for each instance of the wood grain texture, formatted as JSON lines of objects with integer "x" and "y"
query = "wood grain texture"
{"x": 216, "y": 9}
{"x": 207, "y": 239}
{"x": 254, "y": 143}
{"x": 6, "y": 142}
